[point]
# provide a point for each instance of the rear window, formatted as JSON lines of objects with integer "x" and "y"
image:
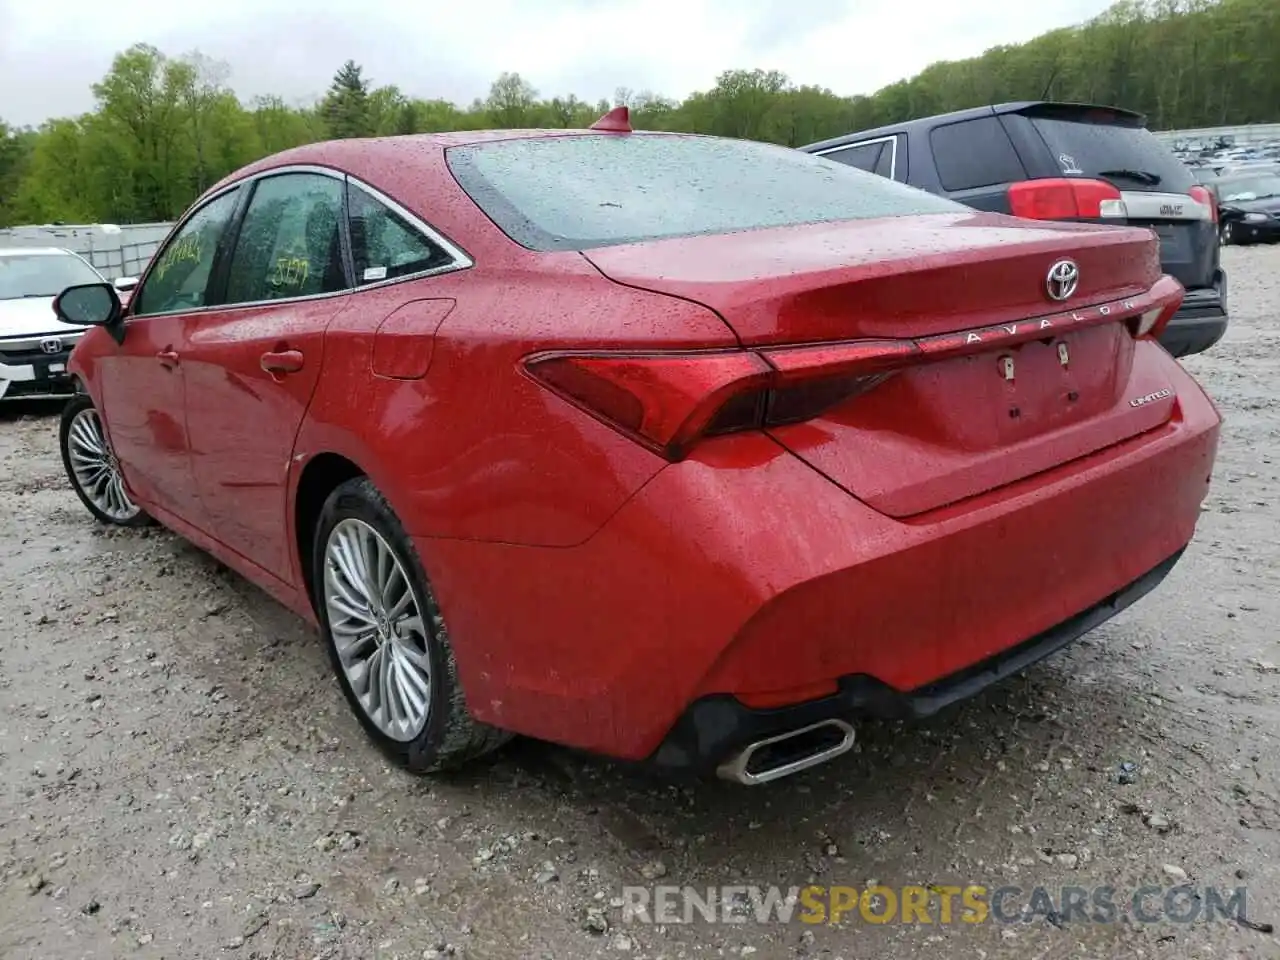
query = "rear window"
{"x": 579, "y": 192}
{"x": 1127, "y": 155}
{"x": 974, "y": 153}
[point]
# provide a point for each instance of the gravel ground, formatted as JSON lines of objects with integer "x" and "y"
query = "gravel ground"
{"x": 182, "y": 778}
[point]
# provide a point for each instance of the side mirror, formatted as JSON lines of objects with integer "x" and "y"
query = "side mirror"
{"x": 123, "y": 284}
{"x": 91, "y": 305}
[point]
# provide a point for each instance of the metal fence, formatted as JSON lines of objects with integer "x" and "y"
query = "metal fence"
{"x": 116, "y": 251}
{"x": 1239, "y": 136}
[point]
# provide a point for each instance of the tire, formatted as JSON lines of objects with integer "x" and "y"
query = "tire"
{"x": 92, "y": 468}
{"x": 1226, "y": 235}
{"x": 357, "y": 523}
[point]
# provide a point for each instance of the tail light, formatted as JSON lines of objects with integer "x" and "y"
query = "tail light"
{"x": 1204, "y": 195}
{"x": 1168, "y": 294}
{"x": 1151, "y": 323}
{"x": 1066, "y": 198}
{"x": 670, "y": 401}
{"x": 810, "y": 380}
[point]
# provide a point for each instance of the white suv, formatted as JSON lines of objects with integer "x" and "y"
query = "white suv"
{"x": 34, "y": 343}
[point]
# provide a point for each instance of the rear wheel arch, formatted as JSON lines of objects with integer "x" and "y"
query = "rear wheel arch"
{"x": 387, "y": 592}
{"x": 322, "y": 474}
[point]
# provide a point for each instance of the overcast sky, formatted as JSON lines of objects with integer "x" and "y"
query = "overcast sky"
{"x": 52, "y": 50}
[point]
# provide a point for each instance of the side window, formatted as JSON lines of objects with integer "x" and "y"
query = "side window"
{"x": 384, "y": 245}
{"x": 181, "y": 272}
{"x": 863, "y": 156}
{"x": 974, "y": 153}
{"x": 289, "y": 241}
{"x": 884, "y": 166}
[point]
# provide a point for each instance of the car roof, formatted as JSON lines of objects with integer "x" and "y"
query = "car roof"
{"x": 365, "y": 155}
{"x": 36, "y": 251}
{"x": 957, "y": 116}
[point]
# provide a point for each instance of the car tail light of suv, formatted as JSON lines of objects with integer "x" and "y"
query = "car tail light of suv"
{"x": 1205, "y": 196}
{"x": 1066, "y": 199}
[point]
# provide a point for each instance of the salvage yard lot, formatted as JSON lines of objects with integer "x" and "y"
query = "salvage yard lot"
{"x": 182, "y": 778}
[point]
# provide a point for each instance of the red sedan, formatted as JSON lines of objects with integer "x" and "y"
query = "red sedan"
{"x": 673, "y": 448}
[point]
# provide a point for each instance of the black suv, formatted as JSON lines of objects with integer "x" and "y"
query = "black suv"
{"x": 1064, "y": 161}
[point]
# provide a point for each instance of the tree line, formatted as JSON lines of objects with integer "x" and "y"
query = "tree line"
{"x": 165, "y": 128}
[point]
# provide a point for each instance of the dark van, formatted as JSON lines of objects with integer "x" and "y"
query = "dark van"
{"x": 1064, "y": 161}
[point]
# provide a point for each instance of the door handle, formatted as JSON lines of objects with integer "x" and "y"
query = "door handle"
{"x": 168, "y": 357}
{"x": 282, "y": 361}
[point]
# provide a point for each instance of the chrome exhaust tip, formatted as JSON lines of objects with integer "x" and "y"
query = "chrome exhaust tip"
{"x": 788, "y": 753}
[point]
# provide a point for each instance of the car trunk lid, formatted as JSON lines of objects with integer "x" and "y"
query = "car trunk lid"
{"x": 902, "y": 277}
{"x": 1003, "y": 381}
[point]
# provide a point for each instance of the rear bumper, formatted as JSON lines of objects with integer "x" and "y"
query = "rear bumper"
{"x": 715, "y": 727}
{"x": 743, "y": 575}
{"x": 1200, "y": 322}
{"x": 1266, "y": 231}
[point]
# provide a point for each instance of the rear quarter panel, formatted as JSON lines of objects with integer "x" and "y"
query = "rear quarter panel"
{"x": 476, "y": 449}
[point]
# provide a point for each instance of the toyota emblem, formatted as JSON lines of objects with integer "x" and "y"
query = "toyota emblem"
{"x": 1063, "y": 278}
{"x": 51, "y": 345}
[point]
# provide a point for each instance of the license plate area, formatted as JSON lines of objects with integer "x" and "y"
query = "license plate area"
{"x": 49, "y": 369}
{"x": 1055, "y": 382}
{"x": 949, "y": 430}
{"x": 1175, "y": 241}
{"x": 988, "y": 400}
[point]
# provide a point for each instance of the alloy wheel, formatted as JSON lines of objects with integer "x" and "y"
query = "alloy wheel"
{"x": 95, "y": 468}
{"x": 377, "y": 629}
